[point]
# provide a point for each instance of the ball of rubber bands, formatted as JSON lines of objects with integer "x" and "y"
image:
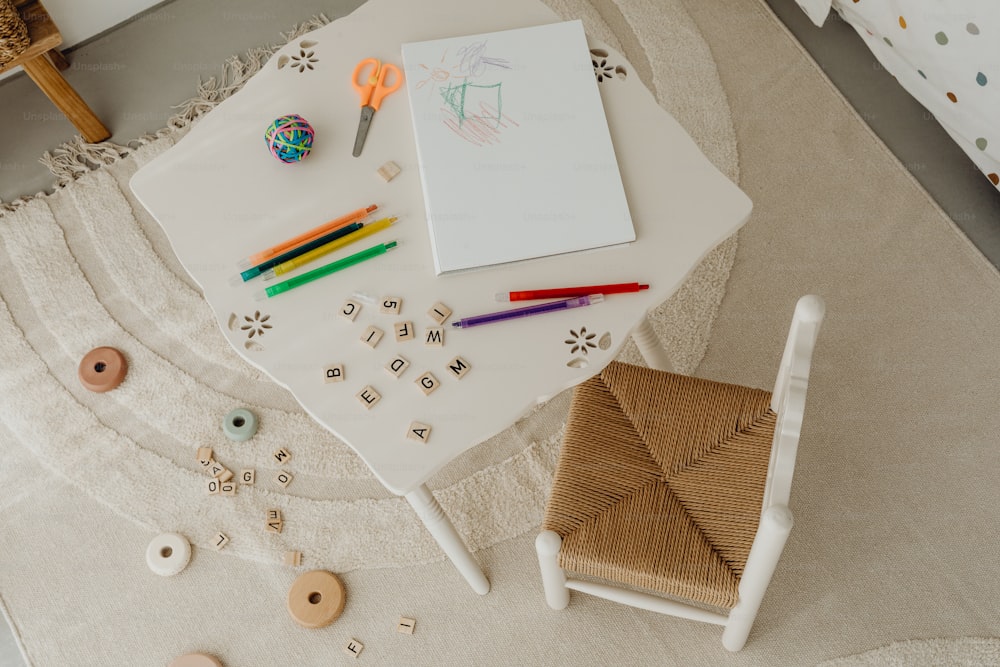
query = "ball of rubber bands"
{"x": 289, "y": 138}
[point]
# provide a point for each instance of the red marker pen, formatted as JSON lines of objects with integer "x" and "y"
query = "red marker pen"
{"x": 567, "y": 292}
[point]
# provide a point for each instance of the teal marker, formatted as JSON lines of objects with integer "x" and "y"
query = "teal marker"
{"x": 326, "y": 270}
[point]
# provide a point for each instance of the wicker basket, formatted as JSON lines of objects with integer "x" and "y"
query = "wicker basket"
{"x": 13, "y": 33}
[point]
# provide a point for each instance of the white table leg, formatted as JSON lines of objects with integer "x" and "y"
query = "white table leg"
{"x": 650, "y": 347}
{"x": 439, "y": 525}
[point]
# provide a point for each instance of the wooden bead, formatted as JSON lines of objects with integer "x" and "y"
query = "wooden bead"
{"x": 316, "y": 599}
{"x": 195, "y": 660}
{"x": 102, "y": 369}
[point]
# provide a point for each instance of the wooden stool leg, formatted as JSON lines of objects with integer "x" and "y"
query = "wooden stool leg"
{"x": 58, "y": 59}
{"x": 48, "y": 78}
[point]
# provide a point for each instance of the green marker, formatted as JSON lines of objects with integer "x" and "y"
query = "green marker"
{"x": 326, "y": 270}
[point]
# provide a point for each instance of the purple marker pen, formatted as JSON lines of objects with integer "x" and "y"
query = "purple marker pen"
{"x": 528, "y": 311}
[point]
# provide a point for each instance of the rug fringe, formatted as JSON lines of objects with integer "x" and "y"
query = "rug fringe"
{"x": 77, "y": 157}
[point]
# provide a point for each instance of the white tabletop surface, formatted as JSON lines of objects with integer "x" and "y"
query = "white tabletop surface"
{"x": 221, "y": 196}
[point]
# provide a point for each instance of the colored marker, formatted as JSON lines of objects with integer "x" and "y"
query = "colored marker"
{"x": 566, "y": 292}
{"x": 316, "y": 253}
{"x": 528, "y": 311}
{"x": 325, "y": 270}
{"x": 305, "y": 237}
{"x": 255, "y": 271}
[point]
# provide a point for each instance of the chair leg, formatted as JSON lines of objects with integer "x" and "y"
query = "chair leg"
{"x": 47, "y": 77}
{"x": 775, "y": 525}
{"x": 553, "y": 578}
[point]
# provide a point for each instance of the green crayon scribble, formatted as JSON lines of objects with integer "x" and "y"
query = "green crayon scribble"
{"x": 454, "y": 96}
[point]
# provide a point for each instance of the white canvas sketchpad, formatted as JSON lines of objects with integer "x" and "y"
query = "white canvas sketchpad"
{"x": 516, "y": 159}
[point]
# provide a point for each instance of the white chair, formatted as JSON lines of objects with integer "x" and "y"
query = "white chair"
{"x": 679, "y": 486}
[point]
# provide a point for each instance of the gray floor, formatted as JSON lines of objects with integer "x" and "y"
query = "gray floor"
{"x": 132, "y": 75}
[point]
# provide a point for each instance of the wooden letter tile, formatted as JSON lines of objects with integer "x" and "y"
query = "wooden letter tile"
{"x": 391, "y": 304}
{"x": 404, "y": 331}
{"x": 353, "y": 647}
{"x": 368, "y": 396}
{"x": 225, "y": 475}
{"x": 273, "y": 526}
{"x": 281, "y": 456}
{"x": 418, "y": 431}
{"x": 434, "y": 336}
{"x": 427, "y": 383}
{"x": 388, "y": 171}
{"x": 227, "y": 488}
{"x": 350, "y": 309}
{"x": 215, "y": 468}
{"x": 397, "y": 365}
{"x": 273, "y": 515}
{"x": 283, "y": 478}
{"x": 220, "y": 540}
{"x": 293, "y": 558}
{"x": 333, "y": 373}
{"x": 439, "y": 312}
{"x": 204, "y": 456}
{"x": 248, "y": 476}
{"x": 458, "y": 367}
{"x": 213, "y": 486}
{"x": 406, "y": 625}
{"x": 372, "y": 336}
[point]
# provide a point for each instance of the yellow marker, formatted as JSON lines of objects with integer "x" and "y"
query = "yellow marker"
{"x": 292, "y": 264}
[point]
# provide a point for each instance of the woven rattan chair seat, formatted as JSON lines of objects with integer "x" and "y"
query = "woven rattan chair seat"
{"x": 660, "y": 481}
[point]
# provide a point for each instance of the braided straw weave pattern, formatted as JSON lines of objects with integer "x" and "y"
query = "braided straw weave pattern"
{"x": 13, "y": 33}
{"x": 660, "y": 481}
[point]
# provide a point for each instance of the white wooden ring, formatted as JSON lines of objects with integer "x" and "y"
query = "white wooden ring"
{"x": 168, "y": 554}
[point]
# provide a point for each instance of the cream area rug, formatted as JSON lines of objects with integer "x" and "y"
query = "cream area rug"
{"x": 895, "y": 490}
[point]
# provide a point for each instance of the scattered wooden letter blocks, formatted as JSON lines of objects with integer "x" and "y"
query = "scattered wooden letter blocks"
{"x": 213, "y": 486}
{"x": 406, "y": 625}
{"x": 368, "y": 396}
{"x": 353, "y": 647}
{"x": 333, "y": 373}
{"x": 458, "y": 367}
{"x": 283, "y": 478}
{"x": 418, "y": 431}
{"x": 404, "y": 331}
{"x": 391, "y": 304}
{"x": 204, "y": 456}
{"x": 220, "y": 540}
{"x": 281, "y": 456}
{"x": 227, "y": 488}
{"x": 248, "y": 476}
{"x": 439, "y": 312}
{"x": 372, "y": 336}
{"x": 427, "y": 383}
{"x": 389, "y": 171}
{"x": 397, "y": 365}
{"x": 350, "y": 309}
{"x": 293, "y": 558}
{"x": 434, "y": 336}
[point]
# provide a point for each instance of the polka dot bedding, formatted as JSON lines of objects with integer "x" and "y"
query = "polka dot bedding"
{"x": 945, "y": 54}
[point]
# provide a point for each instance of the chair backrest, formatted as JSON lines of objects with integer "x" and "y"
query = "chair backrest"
{"x": 789, "y": 397}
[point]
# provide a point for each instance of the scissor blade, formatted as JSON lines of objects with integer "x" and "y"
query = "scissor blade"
{"x": 366, "y": 120}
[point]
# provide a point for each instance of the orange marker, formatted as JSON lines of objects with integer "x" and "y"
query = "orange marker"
{"x": 306, "y": 237}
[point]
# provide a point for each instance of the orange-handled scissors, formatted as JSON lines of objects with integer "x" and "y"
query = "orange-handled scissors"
{"x": 372, "y": 88}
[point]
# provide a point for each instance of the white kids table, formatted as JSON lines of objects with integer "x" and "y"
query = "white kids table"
{"x": 220, "y": 196}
